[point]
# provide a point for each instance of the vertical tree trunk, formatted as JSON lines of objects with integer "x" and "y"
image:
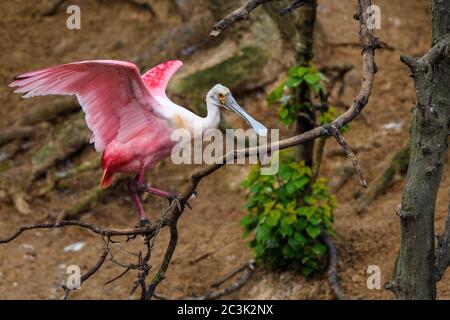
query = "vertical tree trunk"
{"x": 305, "y": 20}
{"x": 301, "y": 35}
{"x": 415, "y": 273}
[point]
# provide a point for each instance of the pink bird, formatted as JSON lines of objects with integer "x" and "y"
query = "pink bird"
{"x": 130, "y": 116}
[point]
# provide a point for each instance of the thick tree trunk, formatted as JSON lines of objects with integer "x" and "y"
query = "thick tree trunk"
{"x": 415, "y": 274}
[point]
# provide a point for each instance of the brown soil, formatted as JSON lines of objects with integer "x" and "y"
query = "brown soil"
{"x": 33, "y": 266}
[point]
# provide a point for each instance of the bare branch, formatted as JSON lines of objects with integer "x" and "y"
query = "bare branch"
{"x": 242, "y": 13}
{"x": 148, "y": 230}
{"x": 160, "y": 275}
{"x": 436, "y": 52}
{"x": 292, "y": 6}
{"x": 351, "y": 155}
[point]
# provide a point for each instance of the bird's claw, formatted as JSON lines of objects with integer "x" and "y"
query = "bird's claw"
{"x": 174, "y": 201}
{"x": 171, "y": 197}
{"x": 144, "y": 222}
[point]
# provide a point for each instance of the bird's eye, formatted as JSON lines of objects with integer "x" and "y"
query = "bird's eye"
{"x": 221, "y": 97}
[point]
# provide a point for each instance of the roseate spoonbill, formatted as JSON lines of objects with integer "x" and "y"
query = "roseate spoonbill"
{"x": 130, "y": 116}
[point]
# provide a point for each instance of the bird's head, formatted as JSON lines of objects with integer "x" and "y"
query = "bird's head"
{"x": 221, "y": 97}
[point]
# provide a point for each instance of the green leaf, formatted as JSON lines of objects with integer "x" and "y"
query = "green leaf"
{"x": 316, "y": 87}
{"x": 272, "y": 243}
{"x": 314, "y": 220}
{"x": 312, "y": 78}
{"x": 247, "y": 220}
{"x": 301, "y": 224}
{"x": 290, "y": 188}
{"x": 313, "y": 231}
{"x": 307, "y": 271}
{"x": 300, "y": 183}
{"x": 255, "y": 188}
{"x": 319, "y": 249}
{"x": 293, "y": 71}
{"x": 293, "y": 82}
{"x": 290, "y": 219}
{"x": 273, "y": 218}
{"x": 276, "y": 94}
{"x": 262, "y": 233}
{"x": 285, "y": 228}
{"x": 258, "y": 250}
{"x": 287, "y": 251}
{"x": 302, "y": 71}
{"x": 300, "y": 239}
{"x": 283, "y": 112}
{"x": 285, "y": 172}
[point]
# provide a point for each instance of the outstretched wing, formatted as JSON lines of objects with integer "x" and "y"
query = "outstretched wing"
{"x": 112, "y": 93}
{"x": 157, "y": 78}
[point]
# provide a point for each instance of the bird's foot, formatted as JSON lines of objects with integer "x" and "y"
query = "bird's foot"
{"x": 144, "y": 222}
{"x": 174, "y": 201}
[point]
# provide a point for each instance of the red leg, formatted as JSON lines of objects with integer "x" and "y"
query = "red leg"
{"x": 141, "y": 186}
{"x": 137, "y": 201}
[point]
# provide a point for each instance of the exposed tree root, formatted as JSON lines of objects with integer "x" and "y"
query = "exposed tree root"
{"x": 333, "y": 277}
{"x": 24, "y": 127}
{"x": 57, "y": 179}
{"x": 15, "y": 133}
{"x": 67, "y": 138}
{"x": 246, "y": 269}
{"x": 48, "y": 112}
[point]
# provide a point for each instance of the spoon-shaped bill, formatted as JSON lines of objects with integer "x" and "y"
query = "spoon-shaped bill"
{"x": 231, "y": 104}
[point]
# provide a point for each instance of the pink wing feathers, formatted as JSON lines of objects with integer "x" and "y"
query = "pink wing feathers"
{"x": 118, "y": 103}
{"x": 157, "y": 78}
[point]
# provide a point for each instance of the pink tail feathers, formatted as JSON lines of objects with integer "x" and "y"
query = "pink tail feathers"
{"x": 107, "y": 178}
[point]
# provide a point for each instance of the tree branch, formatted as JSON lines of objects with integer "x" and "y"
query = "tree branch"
{"x": 435, "y": 53}
{"x": 243, "y": 12}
